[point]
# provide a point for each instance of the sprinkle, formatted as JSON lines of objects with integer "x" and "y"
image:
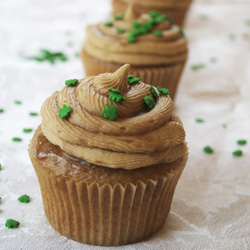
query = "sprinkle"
{"x": 24, "y": 198}
{"x": 199, "y": 120}
{"x": 131, "y": 39}
{"x": 136, "y": 24}
{"x": 242, "y": 142}
{"x": 198, "y": 66}
{"x": 152, "y": 89}
{"x": 27, "y": 130}
{"x": 224, "y": 125}
{"x": 181, "y": 32}
{"x": 130, "y": 76}
{"x": 157, "y": 33}
{"x": 154, "y": 13}
{"x": 208, "y": 150}
{"x": 16, "y": 139}
{"x": 116, "y": 91}
{"x": 163, "y": 90}
{"x": 134, "y": 33}
{"x": 142, "y": 30}
{"x": 149, "y": 101}
{"x": 12, "y": 223}
{"x": 120, "y": 31}
{"x": 1, "y": 110}
{"x": 0, "y": 169}
{"x": 149, "y": 24}
{"x": 119, "y": 17}
{"x": 17, "y": 102}
{"x": 132, "y": 81}
{"x": 110, "y": 23}
{"x": 159, "y": 18}
{"x": 64, "y": 111}
{"x": 110, "y": 112}
{"x": 171, "y": 21}
{"x": 33, "y": 114}
{"x": 238, "y": 153}
{"x": 116, "y": 96}
{"x": 71, "y": 82}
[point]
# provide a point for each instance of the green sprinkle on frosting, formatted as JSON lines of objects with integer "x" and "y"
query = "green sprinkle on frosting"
{"x": 136, "y": 24}
{"x": 64, "y": 111}
{"x": 110, "y": 23}
{"x": 120, "y": 30}
{"x": 71, "y": 82}
{"x": 110, "y": 112}
{"x": 116, "y": 95}
{"x": 238, "y": 153}
{"x": 199, "y": 120}
{"x": 16, "y": 139}
{"x": 242, "y": 142}
{"x": 163, "y": 91}
{"x": 17, "y": 102}
{"x": 33, "y": 114}
{"x": 181, "y": 32}
{"x": 131, "y": 39}
{"x": 152, "y": 89}
{"x": 157, "y": 33}
{"x": 154, "y": 13}
{"x": 119, "y": 17}
{"x": 208, "y": 150}
{"x": 133, "y": 80}
{"x": 12, "y": 223}
{"x": 24, "y": 198}
{"x": 27, "y": 130}
{"x": 130, "y": 76}
{"x": 149, "y": 101}
{"x": 116, "y": 91}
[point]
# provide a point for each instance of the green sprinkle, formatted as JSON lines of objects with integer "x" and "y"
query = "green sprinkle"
{"x": 12, "y": 223}
{"x": 152, "y": 89}
{"x": 238, "y": 153}
{"x": 24, "y": 198}
{"x": 163, "y": 90}
{"x": 1, "y": 110}
{"x": 159, "y": 18}
{"x": 116, "y": 91}
{"x": 149, "y": 24}
{"x": 130, "y": 76}
{"x": 16, "y": 139}
{"x": 119, "y": 17}
{"x": 120, "y": 31}
{"x": 199, "y": 120}
{"x": 149, "y": 101}
{"x": 110, "y": 112}
{"x": 134, "y": 33}
{"x": 132, "y": 81}
{"x": 110, "y": 23}
{"x": 142, "y": 30}
{"x": 131, "y": 39}
{"x": 33, "y": 114}
{"x": 136, "y": 24}
{"x": 224, "y": 125}
{"x": 196, "y": 67}
{"x": 71, "y": 82}
{"x": 117, "y": 97}
{"x": 17, "y": 102}
{"x": 208, "y": 150}
{"x": 157, "y": 33}
{"x": 171, "y": 21}
{"x": 64, "y": 111}
{"x": 181, "y": 32}
{"x": 154, "y": 13}
{"x": 242, "y": 142}
{"x": 0, "y": 169}
{"x": 27, "y": 130}
{"x": 213, "y": 60}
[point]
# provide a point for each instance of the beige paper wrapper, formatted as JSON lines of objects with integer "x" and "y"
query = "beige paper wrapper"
{"x": 166, "y": 76}
{"x": 105, "y": 215}
{"x": 175, "y": 13}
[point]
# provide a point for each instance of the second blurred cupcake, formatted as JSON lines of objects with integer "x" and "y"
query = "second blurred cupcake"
{"x": 151, "y": 43}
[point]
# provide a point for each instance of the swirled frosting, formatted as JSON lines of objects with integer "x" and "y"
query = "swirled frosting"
{"x": 107, "y": 44}
{"x": 139, "y": 137}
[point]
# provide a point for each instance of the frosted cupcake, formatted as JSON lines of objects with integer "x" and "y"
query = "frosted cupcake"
{"x": 155, "y": 48}
{"x": 175, "y": 10}
{"x": 108, "y": 155}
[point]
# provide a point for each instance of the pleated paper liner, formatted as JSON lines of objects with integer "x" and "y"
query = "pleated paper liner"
{"x": 175, "y": 13}
{"x": 105, "y": 215}
{"x": 166, "y": 76}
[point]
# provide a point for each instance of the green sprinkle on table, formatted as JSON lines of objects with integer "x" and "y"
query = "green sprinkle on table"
{"x": 131, "y": 39}
{"x": 24, "y": 198}
{"x": 33, "y": 114}
{"x": 110, "y": 23}
{"x": 16, "y": 139}
{"x": 110, "y": 112}
{"x": 199, "y": 120}
{"x": 196, "y": 67}
{"x": 12, "y": 223}
{"x": 27, "y": 130}
{"x": 163, "y": 91}
{"x": 224, "y": 125}
{"x": 157, "y": 33}
{"x": 71, "y": 82}
{"x": 242, "y": 142}
{"x": 153, "y": 92}
{"x": 1, "y": 110}
{"x": 120, "y": 30}
{"x": 17, "y": 102}
{"x": 149, "y": 101}
{"x": 134, "y": 80}
{"x": 208, "y": 150}
{"x": 64, "y": 111}
{"x": 238, "y": 153}
{"x": 0, "y": 169}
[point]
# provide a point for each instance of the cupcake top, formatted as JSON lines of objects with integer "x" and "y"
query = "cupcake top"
{"x": 114, "y": 120}
{"x": 148, "y": 39}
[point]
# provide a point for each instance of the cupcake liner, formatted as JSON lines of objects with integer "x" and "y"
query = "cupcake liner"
{"x": 166, "y": 76}
{"x": 105, "y": 215}
{"x": 177, "y": 14}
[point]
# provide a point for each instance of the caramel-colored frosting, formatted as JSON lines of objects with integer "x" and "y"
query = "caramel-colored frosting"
{"x": 139, "y": 137}
{"x": 105, "y": 43}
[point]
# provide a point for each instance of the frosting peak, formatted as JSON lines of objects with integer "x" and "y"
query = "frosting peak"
{"x": 130, "y": 13}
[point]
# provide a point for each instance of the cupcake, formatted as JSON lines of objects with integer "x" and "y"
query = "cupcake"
{"x": 108, "y": 155}
{"x": 155, "y": 48}
{"x": 175, "y": 10}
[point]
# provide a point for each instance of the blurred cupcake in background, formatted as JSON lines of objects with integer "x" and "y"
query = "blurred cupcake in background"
{"x": 175, "y": 10}
{"x": 151, "y": 43}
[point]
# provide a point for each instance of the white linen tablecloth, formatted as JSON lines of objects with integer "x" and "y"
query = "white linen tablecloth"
{"x": 211, "y": 206}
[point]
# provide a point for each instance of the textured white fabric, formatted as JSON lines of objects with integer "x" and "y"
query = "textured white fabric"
{"x": 211, "y": 206}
